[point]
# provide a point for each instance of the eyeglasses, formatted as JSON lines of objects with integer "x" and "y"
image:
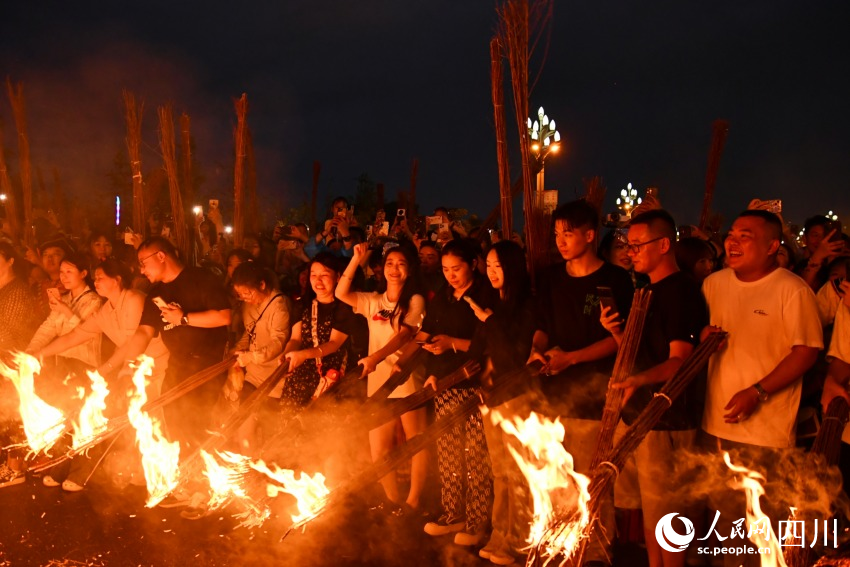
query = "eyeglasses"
{"x": 146, "y": 258}
{"x": 635, "y": 248}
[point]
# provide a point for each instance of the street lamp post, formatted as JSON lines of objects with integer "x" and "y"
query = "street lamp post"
{"x": 544, "y": 139}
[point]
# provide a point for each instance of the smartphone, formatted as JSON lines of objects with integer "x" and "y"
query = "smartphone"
{"x": 53, "y": 294}
{"x": 606, "y": 299}
{"x": 472, "y": 303}
{"x": 836, "y": 226}
{"x": 128, "y": 238}
{"x": 213, "y": 203}
{"x": 401, "y": 213}
{"x": 159, "y": 302}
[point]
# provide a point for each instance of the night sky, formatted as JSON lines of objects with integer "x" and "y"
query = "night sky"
{"x": 365, "y": 87}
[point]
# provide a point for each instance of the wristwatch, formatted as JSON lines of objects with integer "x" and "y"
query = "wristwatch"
{"x": 761, "y": 391}
{"x": 185, "y": 319}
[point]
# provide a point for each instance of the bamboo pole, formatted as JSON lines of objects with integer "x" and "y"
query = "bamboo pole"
{"x": 594, "y": 193}
{"x": 241, "y": 105}
{"x": 719, "y": 131}
{"x": 186, "y": 158}
{"x": 252, "y": 218}
{"x": 58, "y": 193}
{"x": 169, "y": 156}
{"x": 7, "y": 189}
{"x": 626, "y": 355}
{"x": 16, "y": 99}
{"x": 317, "y": 169}
{"x": 133, "y": 116}
{"x": 498, "y": 92}
{"x": 411, "y": 209}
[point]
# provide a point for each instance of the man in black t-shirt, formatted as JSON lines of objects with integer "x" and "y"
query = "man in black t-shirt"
{"x": 676, "y": 315}
{"x": 578, "y": 353}
{"x": 189, "y": 308}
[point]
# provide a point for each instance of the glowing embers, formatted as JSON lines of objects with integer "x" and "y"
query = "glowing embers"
{"x": 159, "y": 456}
{"x": 760, "y": 532}
{"x": 43, "y": 424}
{"x": 92, "y": 422}
{"x": 559, "y": 494}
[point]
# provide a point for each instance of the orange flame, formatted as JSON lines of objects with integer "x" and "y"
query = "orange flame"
{"x": 226, "y": 483}
{"x": 43, "y": 424}
{"x": 310, "y": 492}
{"x": 560, "y": 495}
{"x": 159, "y": 456}
{"x": 92, "y": 421}
{"x": 761, "y": 532}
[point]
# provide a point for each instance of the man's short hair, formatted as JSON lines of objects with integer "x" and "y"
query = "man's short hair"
{"x": 659, "y": 221}
{"x": 160, "y": 244}
{"x": 428, "y": 244}
{"x": 578, "y": 214}
{"x": 770, "y": 219}
{"x": 817, "y": 220}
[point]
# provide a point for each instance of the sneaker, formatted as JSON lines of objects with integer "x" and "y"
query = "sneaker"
{"x": 49, "y": 481}
{"x": 9, "y": 477}
{"x": 469, "y": 539}
{"x": 496, "y": 541}
{"x": 502, "y": 557}
{"x": 444, "y": 525}
{"x": 177, "y": 499}
{"x": 71, "y": 486}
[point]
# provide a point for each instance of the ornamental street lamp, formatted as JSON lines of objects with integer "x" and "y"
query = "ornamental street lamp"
{"x": 628, "y": 200}
{"x": 544, "y": 139}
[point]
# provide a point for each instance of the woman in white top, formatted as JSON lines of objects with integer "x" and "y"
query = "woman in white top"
{"x": 394, "y": 317}
{"x": 67, "y": 312}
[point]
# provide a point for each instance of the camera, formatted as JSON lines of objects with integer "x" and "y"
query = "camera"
{"x": 401, "y": 213}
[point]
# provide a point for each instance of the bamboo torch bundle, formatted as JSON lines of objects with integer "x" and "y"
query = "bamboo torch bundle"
{"x": 8, "y": 190}
{"x": 252, "y": 218}
{"x": 414, "y": 172}
{"x": 719, "y": 131}
{"x": 594, "y": 192}
{"x": 828, "y": 444}
{"x": 317, "y": 169}
{"x": 626, "y": 355}
{"x": 240, "y": 141}
{"x": 605, "y": 474}
{"x": 16, "y": 99}
{"x": 497, "y": 89}
{"x": 133, "y": 116}
{"x": 169, "y": 155}
{"x": 119, "y": 424}
{"x": 186, "y": 157}
{"x": 58, "y": 192}
{"x": 517, "y": 18}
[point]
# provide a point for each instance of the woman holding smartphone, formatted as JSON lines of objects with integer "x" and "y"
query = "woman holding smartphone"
{"x": 69, "y": 310}
{"x": 464, "y": 465}
{"x": 504, "y": 337}
{"x": 394, "y": 317}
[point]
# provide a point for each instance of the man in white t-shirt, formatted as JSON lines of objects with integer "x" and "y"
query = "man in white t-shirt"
{"x": 754, "y": 381}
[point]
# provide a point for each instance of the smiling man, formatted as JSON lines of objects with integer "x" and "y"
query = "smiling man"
{"x": 754, "y": 382}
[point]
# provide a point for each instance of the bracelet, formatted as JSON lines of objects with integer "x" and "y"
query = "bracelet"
{"x": 453, "y": 347}
{"x": 321, "y": 354}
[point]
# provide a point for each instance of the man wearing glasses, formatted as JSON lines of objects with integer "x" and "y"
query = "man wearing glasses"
{"x": 189, "y": 308}
{"x": 676, "y": 315}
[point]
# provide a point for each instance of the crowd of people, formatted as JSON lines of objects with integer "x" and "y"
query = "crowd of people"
{"x": 343, "y": 297}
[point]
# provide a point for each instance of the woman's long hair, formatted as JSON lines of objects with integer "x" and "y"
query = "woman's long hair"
{"x": 517, "y": 285}
{"x": 327, "y": 260}
{"x": 117, "y": 271}
{"x": 411, "y": 285}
